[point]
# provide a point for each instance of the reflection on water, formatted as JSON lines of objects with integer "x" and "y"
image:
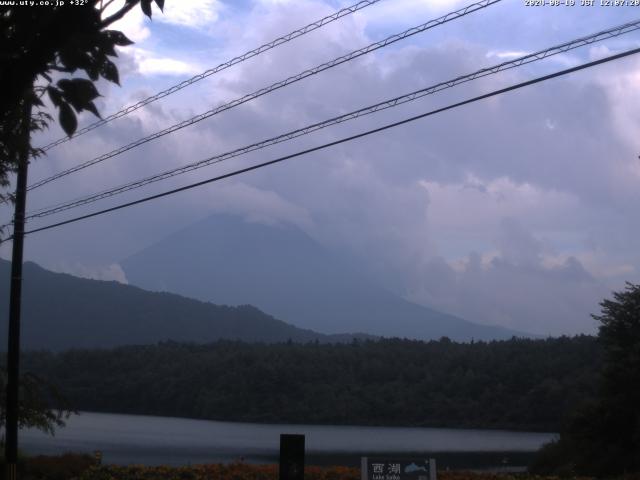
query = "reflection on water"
{"x": 176, "y": 441}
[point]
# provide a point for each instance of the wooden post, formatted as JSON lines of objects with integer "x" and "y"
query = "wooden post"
{"x": 13, "y": 351}
{"x": 291, "y": 457}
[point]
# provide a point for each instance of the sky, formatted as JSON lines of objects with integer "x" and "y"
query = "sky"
{"x": 519, "y": 210}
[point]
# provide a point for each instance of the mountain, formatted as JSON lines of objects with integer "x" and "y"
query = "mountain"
{"x": 60, "y": 311}
{"x": 281, "y": 270}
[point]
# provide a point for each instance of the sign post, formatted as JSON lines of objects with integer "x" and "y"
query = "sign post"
{"x": 378, "y": 468}
{"x": 291, "y": 457}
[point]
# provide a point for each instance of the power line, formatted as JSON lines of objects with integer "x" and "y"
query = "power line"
{"x": 223, "y": 66}
{"x": 342, "y": 140}
{"x": 275, "y": 86}
{"x": 526, "y": 59}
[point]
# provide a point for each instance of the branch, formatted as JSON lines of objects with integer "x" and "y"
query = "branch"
{"x": 51, "y": 66}
{"x": 106, "y": 5}
{"x": 119, "y": 14}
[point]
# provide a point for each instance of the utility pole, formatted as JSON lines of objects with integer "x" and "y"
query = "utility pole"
{"x": 13, "y": 351}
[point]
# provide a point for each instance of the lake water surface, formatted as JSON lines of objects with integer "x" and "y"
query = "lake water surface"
{"x": 178, "y": 441}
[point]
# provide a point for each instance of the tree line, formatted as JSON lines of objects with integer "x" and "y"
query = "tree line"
{"x": 517, "y": 384}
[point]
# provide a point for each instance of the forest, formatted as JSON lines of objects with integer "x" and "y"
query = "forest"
{"x": 516, "y": 384}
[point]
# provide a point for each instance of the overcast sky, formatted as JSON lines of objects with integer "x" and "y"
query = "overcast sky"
{"x": 520, "y": 210}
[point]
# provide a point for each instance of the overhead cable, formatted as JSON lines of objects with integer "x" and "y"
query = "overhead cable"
{"x": 275, "y": 86}
{"x": 342, "y": 140}
{"x": 390, "y": 103}
{"x": 223, "y": 66}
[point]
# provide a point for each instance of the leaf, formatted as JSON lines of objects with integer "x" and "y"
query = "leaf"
{"x": 98, "y": 54}
{"x": 68, "y": 119}
{"x": 106, "y": 44}
{"x": 93, "y": 71}
{"x": 55, "y": 95}
{"x": 79, "y": 92}
{"x": 146, "y": 7}
{"x": 109, "y": 71}
{"x": 82, "y": 88}
{"x": 118, "y": 38}
{"x": 160, "y": 4}
{"x": 92, "y": 108}
{"x": 74, "y": 58}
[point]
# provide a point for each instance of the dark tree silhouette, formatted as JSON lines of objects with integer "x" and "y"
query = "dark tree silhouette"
{"x": 603, "y": 437}
{"x": 36, "y": 397}
{"x": 620, "y": 396}
{"x": 39, "y": 43}
{"x": 42, "y": 51}
{"x": 515, "y": 384}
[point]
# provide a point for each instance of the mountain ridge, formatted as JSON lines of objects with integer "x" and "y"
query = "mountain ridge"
{"x": 283, "y": 271}
{"x": 56, "y": 308}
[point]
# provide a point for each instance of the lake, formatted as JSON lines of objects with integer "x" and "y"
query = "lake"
{"x": 125, "y": 439}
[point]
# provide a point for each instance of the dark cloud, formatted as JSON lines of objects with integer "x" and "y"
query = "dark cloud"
{"x": 541, "y": 182}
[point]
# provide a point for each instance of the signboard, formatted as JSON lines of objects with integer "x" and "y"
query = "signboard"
{"x": 379, "y": 468}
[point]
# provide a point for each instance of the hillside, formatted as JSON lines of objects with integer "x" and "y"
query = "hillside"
{"x": 281, "y": 270}
{"x": 61, "y": 311}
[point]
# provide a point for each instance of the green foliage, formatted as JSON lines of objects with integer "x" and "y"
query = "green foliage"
{"x": 552, "y": 459}
{"x": 603, "y": 437}
{"x": 38, "y": 44}
{"x": 620, "y": 336}
{"x": 36, "y": 397}
{"x": 517, "y": 384}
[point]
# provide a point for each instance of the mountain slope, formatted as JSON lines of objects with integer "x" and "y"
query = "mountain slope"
{"x": 282, "y": 271}
{"x": 61, "y": 311}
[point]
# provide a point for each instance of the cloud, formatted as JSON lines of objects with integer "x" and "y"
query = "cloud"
{"x": 149, "y": 64}
{"x": 113, "y": 272}
{"x": 542, "y": 183}
{"x": 255, "y": 205}
{"x": 408, "y": 10}
{"x": 506, "y": 55}
{"x": 474, "y": 204}
{"x": 514, "y": 288}
{"x": 133, "y": 24}
{"x": 192, "y": 13}
{"x": 517, "y": 245}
